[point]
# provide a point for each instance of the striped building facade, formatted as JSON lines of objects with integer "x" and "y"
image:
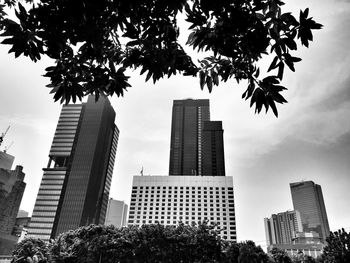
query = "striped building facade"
{"x": 81, "y": 161}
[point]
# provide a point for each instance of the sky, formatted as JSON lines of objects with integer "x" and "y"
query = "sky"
{"x": 309, "y": 141}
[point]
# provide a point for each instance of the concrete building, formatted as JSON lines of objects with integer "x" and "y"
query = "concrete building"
{"x": 171, "y": 199}
{"x": 308, "y": 200}
{"x": 282, "y": 228}
{"x": 11, "y": 192}
{"x": 116, "y": 213}
{"x": 74, "y": 190}
{"x": 20, "y": 229}
{"x": 6, "y": 160}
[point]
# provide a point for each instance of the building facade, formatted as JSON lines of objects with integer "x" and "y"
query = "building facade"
{"x": 308, "y": 200}
{"x": 6, "y": 160}
{"x": 282, "y": 228}
{"x": 196, "y": 145}
{"x": 21, "y": 227}
{"x": 11, "y": 192}
{"x": 116, "y": 213}
{"x": 75, "y": 186}
{"x": 213, "y": 159}
{"x": 170, "y": 199}
{"x": 188, "y": 117}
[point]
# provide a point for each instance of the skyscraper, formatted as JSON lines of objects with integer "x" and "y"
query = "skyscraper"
{"x": 193, "y": 138}
{"x": 75, "y": 186}
{"x": 213, "y": 159}
{"x": 196, "y": 148}
{"x": 308, "y": 200}
{"x": 282, "y": 228}
{"x": 11, "y": 192}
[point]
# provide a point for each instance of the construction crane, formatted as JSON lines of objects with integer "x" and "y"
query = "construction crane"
{"x": 8, "y": 147}
{"x": 2, "y": 136}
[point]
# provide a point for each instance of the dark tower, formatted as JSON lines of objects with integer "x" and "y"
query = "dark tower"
{"x": 196, "y": 146}
{"x": 186, "y": 136}
{"x": 75, "y": 187}
{"x": 213, "y": 148}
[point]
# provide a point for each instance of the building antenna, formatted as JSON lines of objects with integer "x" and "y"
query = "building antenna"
{"x": 141, "y": 172}
{"x": 2, "y": 136}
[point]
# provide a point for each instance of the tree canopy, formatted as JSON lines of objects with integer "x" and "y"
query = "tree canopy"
{"x": 93, "y": 42}
{"x": 157, "y": 243}
{"x": 149, "y": 243}
{"x": 338, "y": 247}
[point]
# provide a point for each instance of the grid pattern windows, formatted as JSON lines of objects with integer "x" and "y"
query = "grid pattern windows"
{"x": 173, "y": 206}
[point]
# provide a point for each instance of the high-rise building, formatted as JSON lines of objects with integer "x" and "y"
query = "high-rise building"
{"x": 11, "y": 192}
{"x": 213, "y": 159}
{"x": 75, "y": 186}
{"x": 308, "y": 200}
{"x": 116, "y": 213}
{"x": 196, "y": 146}
{"x": 282, "y": 228}
{"x": 171, "y": 199}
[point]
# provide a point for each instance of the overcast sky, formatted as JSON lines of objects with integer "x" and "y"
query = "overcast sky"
{"x": 309, "y": 141}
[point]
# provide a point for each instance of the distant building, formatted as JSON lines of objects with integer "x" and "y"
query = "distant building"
{"x": 6, "y": 160}
{"x": 282, "y": 228}
{"x": 11, "y": 192}
{"x": 20, "y": 229}
{"x": 22, "y": 213}
{"x": 308, "y": 200}
{"x": 171, "y": 199}
{"x": 116, "y": 213}
{"x": 303, "y": 230}
{"x": 75, "y": 186}
{"x": 285, "y": 231}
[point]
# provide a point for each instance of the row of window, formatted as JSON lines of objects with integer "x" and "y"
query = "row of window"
{"x": 212, "y": 213}
{"x": 187, "y": 217}
{"x": 199, "y": 200}
{"x": 183, "y": 187}
{"x": 180, "y": 193}
{"x": 180, "y": 204}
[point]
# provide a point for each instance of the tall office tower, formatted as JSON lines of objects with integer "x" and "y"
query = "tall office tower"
{"x": 213, "y": 162}
{"x": 116, "y": 213}
{"x": 75, "y": 186}
{"x": 11, "y": 193}
{"x": 192, "y": 137}
{"x": 170, "y": 199}
{"x": 308, "y": 200}
{"x": 282, "y": 228}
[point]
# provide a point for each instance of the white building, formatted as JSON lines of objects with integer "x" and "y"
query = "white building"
{"x": 116, "y": 213}
{"x": 170, "y": 199}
